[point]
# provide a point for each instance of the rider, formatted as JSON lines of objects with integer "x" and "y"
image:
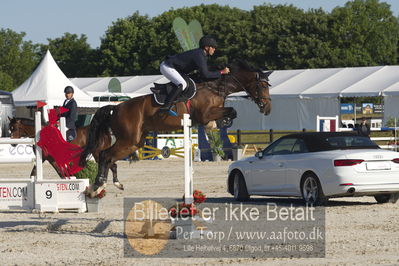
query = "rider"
{"x": 185, "y": 63}
{"x": 71, "y": 115}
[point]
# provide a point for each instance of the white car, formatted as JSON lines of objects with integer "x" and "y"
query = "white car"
{"x": 318, "y": 166}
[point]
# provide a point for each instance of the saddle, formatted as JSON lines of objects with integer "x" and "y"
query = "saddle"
{"x": 161, "y": 91}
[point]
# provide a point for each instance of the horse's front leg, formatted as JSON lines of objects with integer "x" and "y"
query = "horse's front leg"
{"x": 222, "y": 115}
{"x": 229, "y": 114}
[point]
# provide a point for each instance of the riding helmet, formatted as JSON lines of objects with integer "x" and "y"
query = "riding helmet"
{"x": 208, "y": 41}
{"x": 68, "y": 89}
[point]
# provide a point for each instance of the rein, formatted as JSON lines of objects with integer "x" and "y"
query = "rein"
{"x": 223, "y": 91}
{"x": 257, "y": 99}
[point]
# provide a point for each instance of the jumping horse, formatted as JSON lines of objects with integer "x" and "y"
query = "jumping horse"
{"x": 130, "y": 121}
{"x": 25, "y": 127}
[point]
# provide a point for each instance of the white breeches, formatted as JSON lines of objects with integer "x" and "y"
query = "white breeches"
{"x": 171, "y": 74}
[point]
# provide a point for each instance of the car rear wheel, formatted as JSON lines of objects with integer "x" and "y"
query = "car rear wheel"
{"x": 312, "y": 192}
{"x": 384, "y": 198}
{"x": 240, "y": 188}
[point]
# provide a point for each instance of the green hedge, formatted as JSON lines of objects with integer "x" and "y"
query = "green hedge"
{"x": 90, "y": 172}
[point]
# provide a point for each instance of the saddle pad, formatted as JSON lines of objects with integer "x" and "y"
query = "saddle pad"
{"x": 161, "y": 91}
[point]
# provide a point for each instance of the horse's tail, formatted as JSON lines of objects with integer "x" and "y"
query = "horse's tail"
{"x": 99, "y": 125}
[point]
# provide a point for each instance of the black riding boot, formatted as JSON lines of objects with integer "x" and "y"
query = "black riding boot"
{"x": 171, "y": 98}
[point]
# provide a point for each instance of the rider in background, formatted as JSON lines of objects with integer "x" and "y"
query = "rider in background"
{"x": 187, "y": 62}
{"x": 71, "y": 115}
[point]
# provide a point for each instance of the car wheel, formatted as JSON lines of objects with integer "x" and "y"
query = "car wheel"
{"x": 312, "y": 192}
{"x": 384, "y": 198}
{"x": 240, "y": 188}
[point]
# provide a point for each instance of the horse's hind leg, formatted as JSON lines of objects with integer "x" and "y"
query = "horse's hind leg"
{"x": 106, "y": 159}
{"x": 33, "y": 172}
{"x": 134, "y": 158}
{"x": 114, "y": 169}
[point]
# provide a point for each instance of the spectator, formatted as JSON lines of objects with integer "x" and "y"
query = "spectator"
{"x": 364, "y": 128}
{"x": 71, "y": 115}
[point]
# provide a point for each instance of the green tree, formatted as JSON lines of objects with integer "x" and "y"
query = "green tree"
{"x": 365, "y": 33}
{"x": 73, "y": 55}
{"x": 137, "y": 44}
{"x": 17, "y": 59}
{"x": 126, "y": 47}
{"x": 230, "y": 26}
{"x": 286, "y": 37}
{"x": 6, "y": 82}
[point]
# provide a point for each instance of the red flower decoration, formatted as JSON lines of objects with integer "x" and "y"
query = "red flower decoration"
{"x": 187, "y": 210}
{"x": 199, "y": 197}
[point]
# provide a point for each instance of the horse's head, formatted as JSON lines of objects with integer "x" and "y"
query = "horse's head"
{"x": 18, "y": 129}
{"x": 255, "y": 83}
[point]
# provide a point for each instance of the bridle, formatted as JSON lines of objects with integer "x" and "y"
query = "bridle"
{"x": 257, "y": 98}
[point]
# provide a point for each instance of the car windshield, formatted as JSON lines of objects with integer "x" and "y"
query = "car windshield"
{"x": 286, "y": 146}
{"x": 350, "y": 142}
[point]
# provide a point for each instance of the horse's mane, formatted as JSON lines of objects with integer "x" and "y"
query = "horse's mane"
{"x": 236, "y": 66}
{"x": 25, "y": 121}
{"x": 240, "y": 64}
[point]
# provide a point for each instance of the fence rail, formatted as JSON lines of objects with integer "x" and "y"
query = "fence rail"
{"x": 272, "y": 135}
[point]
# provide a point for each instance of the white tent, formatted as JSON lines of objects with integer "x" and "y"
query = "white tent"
{"x": 298, "y": 96}
{"x": 131, "y": 86}
{"x": 47, "y": 84}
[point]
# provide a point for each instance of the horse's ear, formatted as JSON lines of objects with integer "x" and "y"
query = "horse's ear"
{"x": 267, "y": 74}
{"x": 9, "y": 118}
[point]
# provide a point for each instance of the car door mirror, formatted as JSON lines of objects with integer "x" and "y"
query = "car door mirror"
{"x": 259, "y": 154}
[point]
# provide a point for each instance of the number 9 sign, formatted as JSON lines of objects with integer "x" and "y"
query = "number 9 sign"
{"x": 46, "y": 195}
{"x": 49, "y": 194}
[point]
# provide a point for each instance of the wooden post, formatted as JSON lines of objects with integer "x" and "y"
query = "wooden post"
{"x": 271, "y": 135}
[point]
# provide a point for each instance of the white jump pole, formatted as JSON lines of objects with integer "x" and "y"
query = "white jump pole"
{"x": 28, "y": 141}
{"x": 45, "y": 112}
{"x": 39, "y": 161}
{"x": 63, "y": 127}
{"x": 188, "y": 160}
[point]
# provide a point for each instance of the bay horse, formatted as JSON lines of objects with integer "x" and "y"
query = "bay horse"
{"x": 131, "y": 120}
{"x": 25, "y": 128}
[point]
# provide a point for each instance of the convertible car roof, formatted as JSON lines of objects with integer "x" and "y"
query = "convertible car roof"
{"x": 317, "y": 141}
{"x": 320, "y": 134}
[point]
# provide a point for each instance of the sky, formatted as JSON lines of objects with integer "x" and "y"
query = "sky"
{"x": 42, "y": 19}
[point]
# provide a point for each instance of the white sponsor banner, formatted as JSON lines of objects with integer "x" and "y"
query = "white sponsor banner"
{"x": 16, "y": 194}
{"x": 18, "y": 152}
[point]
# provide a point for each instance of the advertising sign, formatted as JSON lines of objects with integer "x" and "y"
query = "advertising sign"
{"x": 367, "y": 108}
{"x": 347, "y": 108}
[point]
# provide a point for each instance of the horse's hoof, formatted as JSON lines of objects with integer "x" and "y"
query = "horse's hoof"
{"x": 91, "y": 193}
{"x": 119, "y": 185}
{"x": 211, "y": 125}
{"x": 224, "y": 122}
{"x": 88, "y": 191}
